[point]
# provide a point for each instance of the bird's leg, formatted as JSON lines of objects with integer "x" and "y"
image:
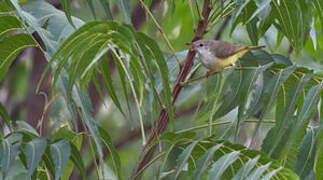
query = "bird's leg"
{"x": 207, "y": 75}
{"x": 245, "y": 68}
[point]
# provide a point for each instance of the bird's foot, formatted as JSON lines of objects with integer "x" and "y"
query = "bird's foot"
{"x": 207, "y": 75}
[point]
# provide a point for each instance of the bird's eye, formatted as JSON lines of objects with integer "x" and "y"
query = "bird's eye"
{"x": 201, "y": 45}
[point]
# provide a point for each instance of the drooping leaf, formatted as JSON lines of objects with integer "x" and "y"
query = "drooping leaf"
{"x": 124, "y": 8}
{"x": 305, "y": 158}
{"x": 78, "y": 161}
{"x": 114, "y": 154}
{"x": 222, "y": 164}
{"x": 9, "y": 49}
{"x": 245, "y": 169}
{"x": 5, "y": 116}
{"x": 255, "y": 174}
{"x": 106, "y": 74}
{"x": 9, "y": 149}
{"x": 287, "y": 17}
{"x": 283, "y": 122}
{"x": 8, "y": 24}
{"x": 319, "y": 9}
{"x": 183, "y": 158}
{"x": 204, "y": 161}
{"x": 302, "y": 121}
{"x": 318, "y": 164}
{"x": 67, "y": 9}
{"x": 60, "y": 152}
{"x": 34, "y": 151}
{"x": 106, "y": 7}
{"x": 163, "y": 71}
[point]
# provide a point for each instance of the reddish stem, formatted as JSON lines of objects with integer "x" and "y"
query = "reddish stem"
{"x": 185, "y": 69}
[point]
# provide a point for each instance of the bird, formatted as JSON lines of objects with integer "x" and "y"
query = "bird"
{"x": 216, "y": 55}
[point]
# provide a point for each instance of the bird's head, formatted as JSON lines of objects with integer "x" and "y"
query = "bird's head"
{"x": 200, "y": 46}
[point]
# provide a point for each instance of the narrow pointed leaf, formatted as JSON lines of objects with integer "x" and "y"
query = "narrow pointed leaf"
{"x": 8, "y": 24}
{"x": 183, "y": 158}
{"x": 114, "y": 154}
{"x": 204, "y": 161}
{"x": 255, "y": 174}
{"x": 78, "y": 161}
{"x": 269, "y": 175}
{"x": 163, "y": 71}
{"x": 124, "y": 8}
{"x": 245, "y": 169}
{"x": 305, "y": 158}
{"x": 222, "y": 164}
{"x": 106, "y": 74}
{"x": 4, "y": 114}
{"x": 106, "y": 7}
{"x": 9, "y": 49}
{"x": 67, "y": 9}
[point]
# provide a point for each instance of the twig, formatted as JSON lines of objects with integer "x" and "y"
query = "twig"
{"x": 220, "y": 123}
{"x": 162, "y": 32}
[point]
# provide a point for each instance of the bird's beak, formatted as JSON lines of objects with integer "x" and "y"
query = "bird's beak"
{"x": 191, "y": 45}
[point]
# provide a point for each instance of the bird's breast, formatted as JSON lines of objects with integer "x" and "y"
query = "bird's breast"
{"x": 208, "y": 59}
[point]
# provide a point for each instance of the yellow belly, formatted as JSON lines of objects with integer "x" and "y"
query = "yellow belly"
{"x": 225, "y": 62}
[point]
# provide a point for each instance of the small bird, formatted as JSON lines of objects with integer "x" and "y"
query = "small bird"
{"x": 217, "y": 55}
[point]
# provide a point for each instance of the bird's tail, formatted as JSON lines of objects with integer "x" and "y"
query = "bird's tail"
{"x": 255, "y": 47}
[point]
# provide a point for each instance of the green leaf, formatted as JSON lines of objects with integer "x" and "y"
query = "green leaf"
{"x": 283, "y": 122}
{"x": 287, "y": 16}
{"x": 318, "y": 4}
{"x": 124, "y": 8}
{"x": 34, "y": 151}
{"x": 8, "y": 24}
{"x": 245, "y": 169}
{"x": 60, "y": 152}
{"x": 10, "y": 47}
{"x": 4, "y": 114}
{"x": 252, "y": 30}
{"x": 255, "y": 174}
{"x": 302, "y": 121}
{"x": 9, "y": 149}
{"x": 318, "y": 165}
{"x": 271, "y": 174}
{"x": 204, "y": 161}
{"x": 262, "y": 5}
{"x": 78, "y": 161}
{"x": 183, "y": 158}
{"x": 107, "y": 79}
{"x": 244, "y": 156}
{"x": 79, "y": 101}
{"x": 91, "y": 5}
{"x": 48, "y": 161}
{"x": 114, "y": 154}
{"x": 222, "y": 164}
{"x": 270, "y": 92}
{"x": 163, "y": 71}
{"x": 124, "y": 83}
{"x": 305, "y": 158}
{"x": 4, "y": 8}
{"x": 75, "y": 141}
{"x": 67, "y": 9}
{"x": 243, "y": 10}
{"x": 106, "y": 7}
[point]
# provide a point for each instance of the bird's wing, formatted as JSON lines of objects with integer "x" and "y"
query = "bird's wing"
{"x": 226, "y": 49}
